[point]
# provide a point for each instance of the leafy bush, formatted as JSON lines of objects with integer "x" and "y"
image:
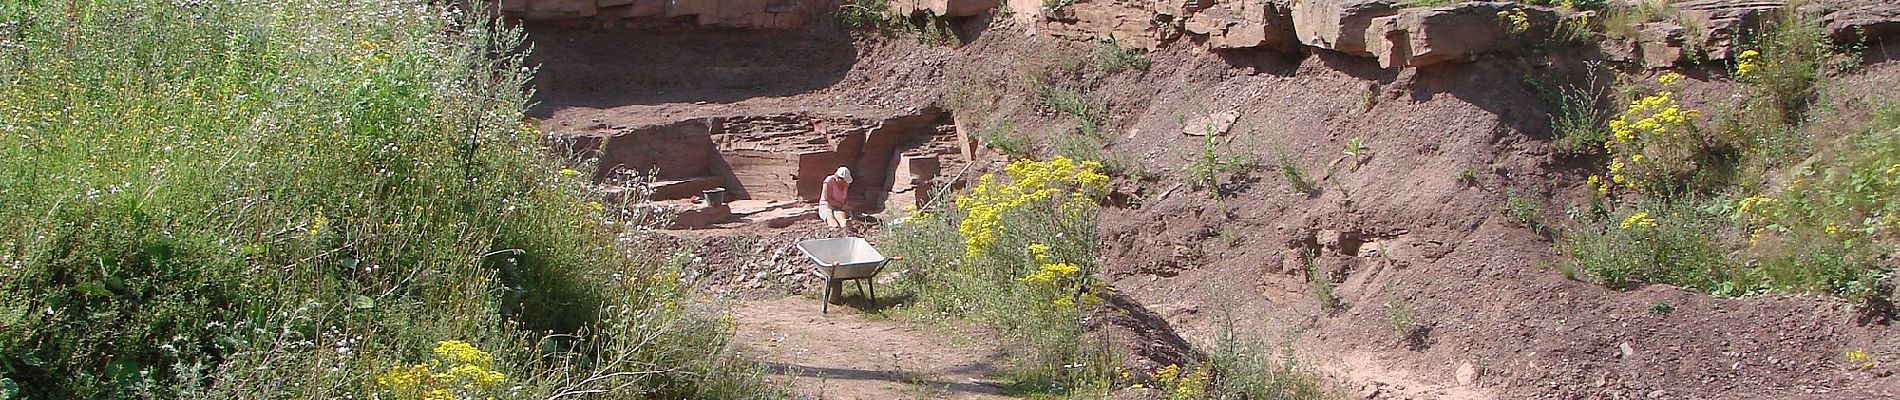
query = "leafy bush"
{"x": 222, "y": 199}
{"x": 1784, "y": 66}
{"x": 1017, "y": 253}
{"x": 865, "y": 14}
{"x": 1665, "y": 244}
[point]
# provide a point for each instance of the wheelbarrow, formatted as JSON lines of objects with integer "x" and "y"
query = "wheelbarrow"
{"x": 845, "y": 259}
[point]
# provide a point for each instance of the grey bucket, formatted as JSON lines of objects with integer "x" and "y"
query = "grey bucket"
{"x": 713, "y": 197}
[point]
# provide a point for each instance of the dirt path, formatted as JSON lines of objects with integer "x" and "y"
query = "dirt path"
{"x": 843, "y": 355}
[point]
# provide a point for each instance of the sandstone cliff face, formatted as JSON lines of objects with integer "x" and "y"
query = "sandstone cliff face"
{"x": 1387, "y": 30}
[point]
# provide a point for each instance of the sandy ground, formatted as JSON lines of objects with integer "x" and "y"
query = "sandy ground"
{"x": 848, "y": 355}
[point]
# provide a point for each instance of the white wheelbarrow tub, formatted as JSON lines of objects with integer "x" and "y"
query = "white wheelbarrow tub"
{"x": 842, "y": 259}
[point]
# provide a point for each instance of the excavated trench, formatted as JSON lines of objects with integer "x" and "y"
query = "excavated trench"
{"x": 746, "y": 114}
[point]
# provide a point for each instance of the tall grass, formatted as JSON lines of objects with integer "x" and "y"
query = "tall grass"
{"x": 229, "y": 198}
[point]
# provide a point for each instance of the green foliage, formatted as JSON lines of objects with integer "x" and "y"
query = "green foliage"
{"x": 1215, "y": 163}
{"x": 928, "y": 29}
{"x": 1002, "y": 135}
{"x": 1398, "y": 314}
{"x": 1668, "y": 244}
{"x": 1019, "y": 259}
{"x": 1830, "y": 228}
{"x": 1112, "y": 57}
{"x": 865, "y": 14}
{"x": 1248, "y": 369}
{"x": 1295, "y": 177}
{"x": 1621, "y": 20}
{"x": 1319, "y": 284}
{"x": 1661, "y": 308}
{"x": 1784, "y": 66}
{"x": 1523, "y": 207}
{"x": 217, "y": 199}
{"x": 1578, "y": 125}
{"x": 1355, "y": 147}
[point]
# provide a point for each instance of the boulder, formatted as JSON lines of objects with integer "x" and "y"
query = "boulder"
{"x": 1454, "y": 33}
{"x": 1338, "y": 25}
{"x": 1720, "y": 25}
{"x": 944, "y": 8}
{"x": 1659, "y": 44}
{"x": 1243, "y": 24}
{"x": 1130, "y": 23}
{"x": 1850, "y": 21}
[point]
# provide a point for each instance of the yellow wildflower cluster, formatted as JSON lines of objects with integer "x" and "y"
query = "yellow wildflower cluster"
{"x": 1669, "y": 79}
{"x": 1746, "y": 63}
{"x": 1656, "y": 124}
{"x": 458, "y": 371}
{"x": 1758, "y": 207}
{"x": 372, "y": 51}
{"x": 1062, "y": 182}
{"x": 1515, "y": 20}
{"x": 1638, "y": 220}
{"x": 1052, "y": 274}
{"x": 1860, "y": 358}
{"x": 1182, "y": 385}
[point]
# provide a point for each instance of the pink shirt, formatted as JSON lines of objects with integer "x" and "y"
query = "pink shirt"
{"x": 834, "y": 192}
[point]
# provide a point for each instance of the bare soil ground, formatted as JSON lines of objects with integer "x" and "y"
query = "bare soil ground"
{"x": 844, "y": 355}
{"x": 1416, "y": 220}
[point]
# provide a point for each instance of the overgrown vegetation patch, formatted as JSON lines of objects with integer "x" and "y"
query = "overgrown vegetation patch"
{"x": 216, "y": 199}
{"x": 1756, "y": 202}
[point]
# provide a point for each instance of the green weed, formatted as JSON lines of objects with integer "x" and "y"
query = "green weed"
{"x": 1296, "y": 179}
{"x": 1398, "y": 313}
{"x": 1319, "y": 284}
{"x": 1111, "y": 57}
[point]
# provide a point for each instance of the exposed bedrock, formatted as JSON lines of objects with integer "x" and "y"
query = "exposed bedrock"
{"x": 1389, "y": 30}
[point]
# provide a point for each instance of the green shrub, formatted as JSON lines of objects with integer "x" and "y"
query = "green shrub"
{"x": 1784, "y": 66}
{"x": 1668, "y": 243}
{"x": 223, "y": 199}
{"x": 1017, "y": 253}
{"x": 1247, "y": 368}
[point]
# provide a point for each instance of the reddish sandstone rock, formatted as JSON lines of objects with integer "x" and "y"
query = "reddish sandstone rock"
{"x": 1722, "y": 24}
{"x": 1338, "y": 25}
{"x": 1241, "y": 24}
{"x": 1857, "y": 20}
{"x": 944, "y": 8}
{"x": 1455, "y": 33}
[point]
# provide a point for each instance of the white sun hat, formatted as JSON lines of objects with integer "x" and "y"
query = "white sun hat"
{"x": 844, "y": 173}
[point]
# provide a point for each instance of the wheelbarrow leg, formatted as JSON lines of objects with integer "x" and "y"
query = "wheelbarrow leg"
{"x": 860, "y": 283}
{"x": 873, "y": 293}
{"x": 824, "y": 303}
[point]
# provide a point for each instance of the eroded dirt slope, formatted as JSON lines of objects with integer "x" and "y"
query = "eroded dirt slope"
{"x": 1414, "y": 219}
